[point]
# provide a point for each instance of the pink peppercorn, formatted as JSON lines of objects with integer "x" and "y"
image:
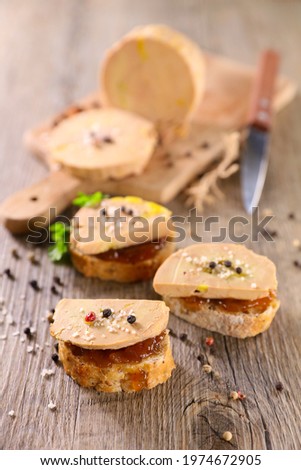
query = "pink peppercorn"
{"x": 90, "y": 317}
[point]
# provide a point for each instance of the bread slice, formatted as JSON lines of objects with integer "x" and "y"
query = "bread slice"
{"x": 239, "y": 325}
{"x": 120, "y": 271}
{"x": 128, "y": 377}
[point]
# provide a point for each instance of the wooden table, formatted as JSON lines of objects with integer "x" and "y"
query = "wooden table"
{"x": 49, "y": 56}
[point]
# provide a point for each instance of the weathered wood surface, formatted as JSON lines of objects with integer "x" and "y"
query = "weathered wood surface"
{"x": 49, "y": 54}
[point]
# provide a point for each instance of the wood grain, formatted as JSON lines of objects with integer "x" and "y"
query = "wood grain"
{"x": 49, "y": 52}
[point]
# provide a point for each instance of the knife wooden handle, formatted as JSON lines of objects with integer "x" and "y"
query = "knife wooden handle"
{"x": 39, "y": 203}
{"x": 263, "y": 92}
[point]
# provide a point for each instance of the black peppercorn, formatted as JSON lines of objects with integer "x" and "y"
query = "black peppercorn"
{"x": 54, "y": 291}
{"x": 274, "y": 234}
{"x": 238, "y": 270}
{"x": 15, "y": 253}
{"x": 55, "y": 358}
{"x": 34, "y": 284}
{"x": 228, "y": 264}
{"x": 27, "y": 332}
{"x": 9, "y": 274}
{"x": 172, "y": 333}
{"x": 279, "y": 386}
{"x": 201, "y": 358}
{"x": 107, "y": 312}
{"x": 58, "y": 281}
{"x": 212, "y": 264}
{"x": 130, "y": 212}
{"x": 131, "y": 319}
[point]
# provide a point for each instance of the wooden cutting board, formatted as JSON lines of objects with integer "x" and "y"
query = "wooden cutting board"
{"x": 223, "y": 109}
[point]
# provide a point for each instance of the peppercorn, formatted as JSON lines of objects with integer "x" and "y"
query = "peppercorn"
{"x": 58, "y": 281}
{"x": 273, "y": 234}
{"x": 15, "y": 253}
{"x": 234, "y": 395}
{"x": 238, "y": 270}
{"x": 130, "y": 212}
{"x": 131, "y": 319}
{"x": 279, "y": 386}
{"x": 201, "y": 358}
{"x": 207, "y": 368}
{"x": 212, "y": 264}
{"x": 172, "y": 333}
{"x": 107, "y": 312}
{"x": 227, "y": 436}
{"x": 34, "y": 284}
{"x": 209, "y": 341}
{"x": 9, "y": 274}
{"x": 54, "y": 290}
{"x": 31, "y": 257}
{"x": 90, "y": 317}
{"x": 55, "y": 358}
{"x": 27, "y": 332}
{"x": 183, "y": 336}
{"x": 228, "y": 264}
{"x": 50, "y": 318}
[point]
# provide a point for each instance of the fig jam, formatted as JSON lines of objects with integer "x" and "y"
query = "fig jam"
{"x": 129, "y": 355}
{"x": 229, "y": 305}
{"x": 134, "y": 254}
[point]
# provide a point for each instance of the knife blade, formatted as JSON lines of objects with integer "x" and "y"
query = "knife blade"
{"x": 254, "y": 157}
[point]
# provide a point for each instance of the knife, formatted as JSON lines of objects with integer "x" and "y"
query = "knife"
{"x": 254, "y": 158}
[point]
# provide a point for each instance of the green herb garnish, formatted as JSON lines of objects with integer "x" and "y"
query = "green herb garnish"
{"x": 59, "y": 235}
{"x": 88, "y": 200}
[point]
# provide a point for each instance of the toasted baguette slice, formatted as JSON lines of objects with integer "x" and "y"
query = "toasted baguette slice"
{"x": 120, "y": 271}
{"x": 128, "y": 377}
{"x": 239, "y": 325}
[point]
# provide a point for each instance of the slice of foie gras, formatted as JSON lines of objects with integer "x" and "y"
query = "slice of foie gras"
{"x": 113, "y": 332}
{"x": 156, "y": 72}
{"x": 239, "y": 273}
{"x": 140, "y": 221}
{"x": 102, "y": 143}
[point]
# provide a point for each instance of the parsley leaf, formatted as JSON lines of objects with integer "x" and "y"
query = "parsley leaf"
{"x": 88, "y": 200}
{"x": 59, "y": 234}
